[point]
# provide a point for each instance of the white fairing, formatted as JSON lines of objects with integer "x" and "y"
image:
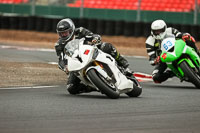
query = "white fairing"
{"x": 122, "y": 81}
{"x": 80, "y": 56}
{"x": 167, "y": 44}
{"x": 84, "y": 52}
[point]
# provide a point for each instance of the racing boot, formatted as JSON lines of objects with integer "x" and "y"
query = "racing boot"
{"x": 74, "y": 85}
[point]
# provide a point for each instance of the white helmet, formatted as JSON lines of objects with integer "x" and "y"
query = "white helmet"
{"x": 158, "y": 29}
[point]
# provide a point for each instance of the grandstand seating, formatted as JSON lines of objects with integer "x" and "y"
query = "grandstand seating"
{"x": 13, "y": 1}
{"x": 152, "y": 5}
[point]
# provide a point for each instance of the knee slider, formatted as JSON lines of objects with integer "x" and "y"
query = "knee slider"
{"x": 155, "y": 78}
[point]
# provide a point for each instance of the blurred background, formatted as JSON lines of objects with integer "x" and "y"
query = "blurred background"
{"x": 105, "y": 17}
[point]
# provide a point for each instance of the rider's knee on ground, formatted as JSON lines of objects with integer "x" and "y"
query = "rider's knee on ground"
{"x": 156, "y": 78}
{"x": 161, "y": 77}
{"x": 72, "y": 89}
{"x": 78, "y": 88}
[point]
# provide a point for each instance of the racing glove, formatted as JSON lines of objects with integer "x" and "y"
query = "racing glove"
{"x": 157, "y": 60}
{"x": 62, "y": 65}
{"x": 188, "y": 37}
{"x": 96, "y": 39}
{"x": 93, "y": 39}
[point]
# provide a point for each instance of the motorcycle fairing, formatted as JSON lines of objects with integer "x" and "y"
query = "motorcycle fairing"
{"x": 84, "y": 54}
{"x": 122, "y": 81}
{"x": 179, "y": 48}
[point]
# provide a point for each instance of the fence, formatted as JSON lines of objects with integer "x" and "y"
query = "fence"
{"x": 102, "y": 21}
{"x": 105, "y": 14}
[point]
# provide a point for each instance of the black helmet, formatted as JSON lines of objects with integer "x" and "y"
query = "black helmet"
{"x": 65, "y": 29}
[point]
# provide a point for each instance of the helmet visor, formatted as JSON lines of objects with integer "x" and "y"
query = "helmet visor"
{"x": 65, "y": 34}
{"x": 157, "y": 32}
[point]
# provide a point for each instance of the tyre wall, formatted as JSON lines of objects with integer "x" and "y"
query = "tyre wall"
{"x": 102, "y": 27}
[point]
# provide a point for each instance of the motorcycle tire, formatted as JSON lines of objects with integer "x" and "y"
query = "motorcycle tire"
{"x": 190, "y": 73}
{"x": 99, "y": 82}
{"x": 135, "y": 92}
{"x": 137, "y": 89}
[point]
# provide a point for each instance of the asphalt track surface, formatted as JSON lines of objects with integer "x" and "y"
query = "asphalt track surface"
{"x": 165, "y": 108}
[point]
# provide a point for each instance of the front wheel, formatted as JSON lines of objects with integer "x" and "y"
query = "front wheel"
{"x": 190, "y": 74}
{"x": 106, "y": 87}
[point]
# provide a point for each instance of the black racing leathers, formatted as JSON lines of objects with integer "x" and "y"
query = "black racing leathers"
{"x": 73, "y": 85}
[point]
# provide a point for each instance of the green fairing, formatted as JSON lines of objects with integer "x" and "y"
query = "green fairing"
{"x": 180, "y": 48}
{"x": 193, "y": 55}
{"x": 188, "y": 61}
{"x": 178, "y": 73}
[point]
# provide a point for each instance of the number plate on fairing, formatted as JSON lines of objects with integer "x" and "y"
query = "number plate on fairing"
{"x": 167, "y": 44}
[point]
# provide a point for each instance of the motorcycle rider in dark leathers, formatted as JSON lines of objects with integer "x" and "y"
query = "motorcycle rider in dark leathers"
{"x": 160, "y": 31}
{"x": 67, "y": 32}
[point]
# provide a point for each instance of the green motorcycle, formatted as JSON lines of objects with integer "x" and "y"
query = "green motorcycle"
{"x": 181, "y": 59}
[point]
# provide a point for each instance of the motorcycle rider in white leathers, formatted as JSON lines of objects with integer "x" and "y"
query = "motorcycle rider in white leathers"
{"x": 160, "y": 31}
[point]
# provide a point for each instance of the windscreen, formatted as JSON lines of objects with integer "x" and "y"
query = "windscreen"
{"x": 72, "y": 46}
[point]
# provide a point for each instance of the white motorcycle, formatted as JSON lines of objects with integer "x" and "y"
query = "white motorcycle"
{"x": 99, "y": 70}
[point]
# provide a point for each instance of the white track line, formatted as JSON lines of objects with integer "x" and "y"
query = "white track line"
{"x": 27, "y": 49}
{"x": 28, "y": 87}
{"x": 53, "y": 63}
{"x": 135, "y": 56}
{"x": 48, "y": 50}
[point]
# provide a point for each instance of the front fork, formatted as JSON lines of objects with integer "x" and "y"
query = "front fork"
{"x": 98, "y": 64}
{"x": 95, "y": 63}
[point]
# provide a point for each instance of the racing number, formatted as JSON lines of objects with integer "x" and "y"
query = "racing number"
{"x": 167, "y": 45}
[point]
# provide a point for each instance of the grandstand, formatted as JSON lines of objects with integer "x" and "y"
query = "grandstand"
{"x": 146, "y": 5}
{"x": 13, "y": 1}
{"x": 19, "y": 14}
{"x": 151, "y": 5}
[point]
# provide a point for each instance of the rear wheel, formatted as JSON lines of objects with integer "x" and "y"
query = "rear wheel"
{"x": 106, "y": 87}
{"x": 190, "y": 74}
{"x": 137, "y": 89}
